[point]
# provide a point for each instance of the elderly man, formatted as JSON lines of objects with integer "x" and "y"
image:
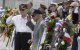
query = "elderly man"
{"x": 75, "y": 15}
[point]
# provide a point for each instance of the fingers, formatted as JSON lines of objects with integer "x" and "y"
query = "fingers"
{"x": 29, "y": 18}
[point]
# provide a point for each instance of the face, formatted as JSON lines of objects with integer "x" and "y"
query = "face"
{"x": 73, "y": 7}
{"x": 42, "y": 10}
{"x": 53, "y": 8}
{"x": 37, "y": 17}
{"x": 44, "y": 15}
{"x": 23, "y": 12}
{"x": 66, "y": 5}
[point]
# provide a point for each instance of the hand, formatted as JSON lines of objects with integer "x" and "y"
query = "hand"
{"x": 29, "y": 18}
{"x": 30, "y": 41}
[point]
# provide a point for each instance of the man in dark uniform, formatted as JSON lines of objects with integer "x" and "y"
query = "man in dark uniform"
{"x": 75, "y": 15}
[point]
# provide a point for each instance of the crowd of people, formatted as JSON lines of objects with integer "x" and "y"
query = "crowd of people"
{"x": 29, "y": 23}
{"x": 24, "y": 23}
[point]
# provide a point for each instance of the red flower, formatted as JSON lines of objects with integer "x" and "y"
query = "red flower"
{"x": 62, "y": 28}
{"x": 49, "y": 29}
{"x": 77, "y": 25}
{"x": 67, "y": 39}
{"x": 52, "y": 17}
{"x": 64, "y": 23}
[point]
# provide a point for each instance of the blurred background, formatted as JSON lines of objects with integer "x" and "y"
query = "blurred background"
{"x": 36, "y": 3}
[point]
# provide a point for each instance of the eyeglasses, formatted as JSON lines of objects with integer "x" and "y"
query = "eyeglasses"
{"x": 22, "y": 9}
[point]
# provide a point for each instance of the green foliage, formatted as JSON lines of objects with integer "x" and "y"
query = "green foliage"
{"x": 62, "y": 47}
{"x": 10, "y": 31}
{"x": 50, "y": 30}
{"x": 3, "y": 24}
{"x": 49, "y": 37}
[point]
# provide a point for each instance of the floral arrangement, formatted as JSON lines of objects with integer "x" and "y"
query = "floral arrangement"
{"x": 50, "y": 29}
{"x": 64, "y": 27}
{"x": 8, "y": 27}
{"x": 65, "y": 38}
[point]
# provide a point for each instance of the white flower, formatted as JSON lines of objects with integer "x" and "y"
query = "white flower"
{"x": 64, "y": 29}
{"x": 62, "y": 42}
{"x": 56, "y": 44}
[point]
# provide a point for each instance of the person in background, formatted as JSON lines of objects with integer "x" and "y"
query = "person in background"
{"x": 53, "y": 9}
{"x": 63, "y": 10}
{"x": 38, "y": 29}
{"x": 75, "y": 18}
{"x": 53, "y": 12}
{"x": 23, "y": 30}
{"x": 43, "y": 10}
{"x": 75, "y": 12}
{"x": 60, "y": 4}
{"x": 49, "y": 10}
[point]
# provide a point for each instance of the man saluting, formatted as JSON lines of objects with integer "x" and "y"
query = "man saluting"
{"x": 23, "y": 31}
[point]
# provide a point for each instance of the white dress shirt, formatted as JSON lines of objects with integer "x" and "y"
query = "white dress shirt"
{"x": 20, "y": 23}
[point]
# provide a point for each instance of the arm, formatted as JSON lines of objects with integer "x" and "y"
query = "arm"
{"x": 41, "y": 29}
{"x": 30, "y": 24}
{"x": 9, "y": 20}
